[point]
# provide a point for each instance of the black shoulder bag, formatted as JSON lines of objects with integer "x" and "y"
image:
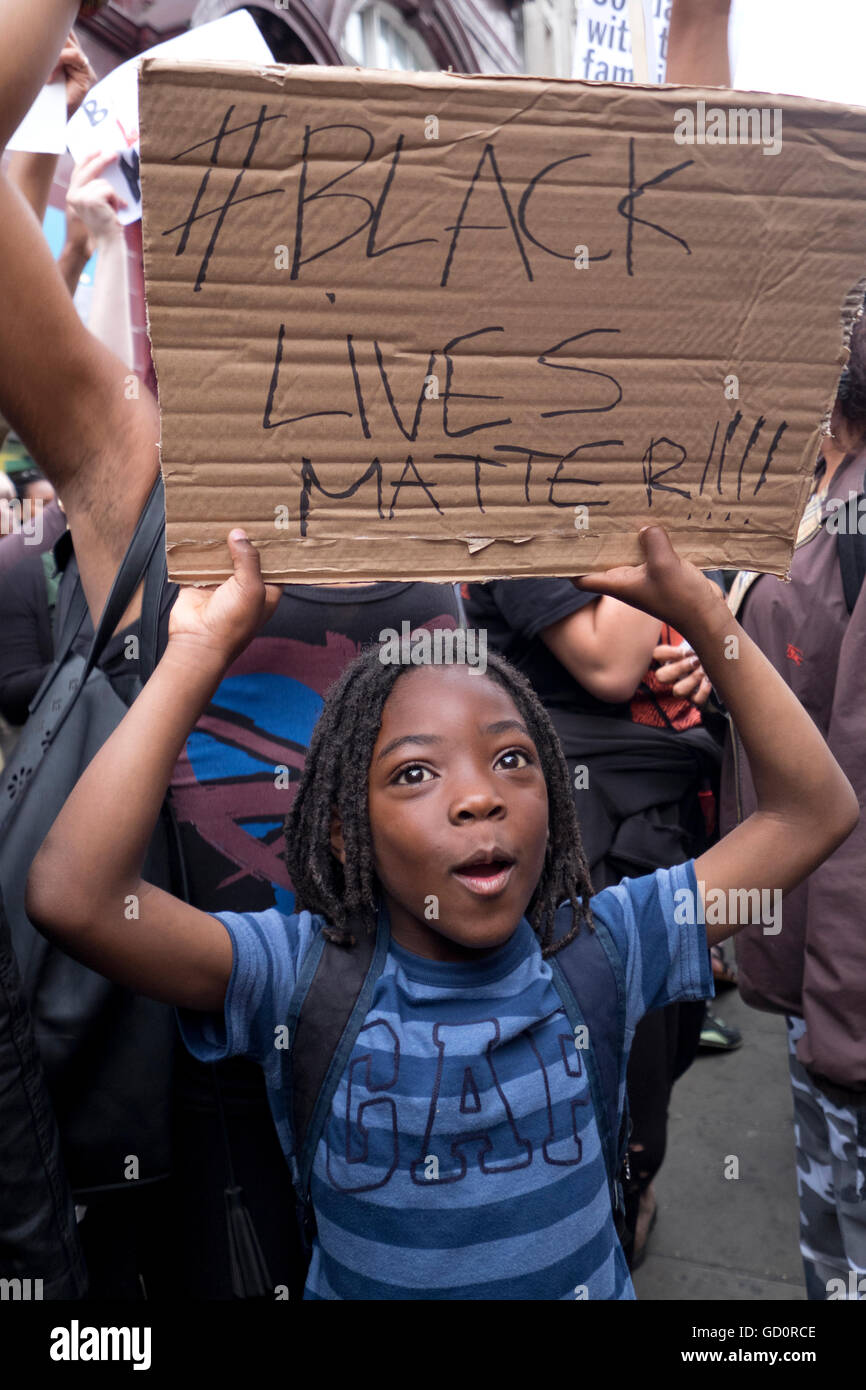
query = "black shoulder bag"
{"x": 107, "y": 1052}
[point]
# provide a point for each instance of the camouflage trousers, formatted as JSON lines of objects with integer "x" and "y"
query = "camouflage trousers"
{"x": 831, "y": 1184}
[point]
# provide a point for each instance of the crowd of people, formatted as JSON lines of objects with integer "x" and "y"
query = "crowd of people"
{"x": 262, "y": 833}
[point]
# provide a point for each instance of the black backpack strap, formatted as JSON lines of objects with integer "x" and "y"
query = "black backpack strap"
{"x": 328, "y": 1008}
{"x": 589, "y": 975}
{"x": 851, "y": 546}
{"x": 133, "y": 566}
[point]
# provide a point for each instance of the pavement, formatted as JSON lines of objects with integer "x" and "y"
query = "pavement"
{"x": 729, "y": 1238}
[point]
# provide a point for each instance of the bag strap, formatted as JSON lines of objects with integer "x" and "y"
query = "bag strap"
{"x": 149, "y": 528}
{"x": 139, "y": 552}
{"x": 589, "y": 976}
{"x": 851, "y": 547}
{"x": 331, "y": 1000}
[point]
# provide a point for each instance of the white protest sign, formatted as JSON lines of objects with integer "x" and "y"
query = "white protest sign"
{"x": 603, "y": 43}
{"x": 107, "y": 121}
{"x": 43, "y": 130}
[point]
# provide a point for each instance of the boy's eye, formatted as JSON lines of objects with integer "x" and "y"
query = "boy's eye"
{"x": 513, "y": 759}
{"x": 412, "y": 776}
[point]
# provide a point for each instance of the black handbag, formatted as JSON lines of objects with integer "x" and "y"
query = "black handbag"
{"x": 107, "y": 1052}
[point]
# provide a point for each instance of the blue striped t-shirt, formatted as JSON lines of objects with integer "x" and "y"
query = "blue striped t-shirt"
{"x": 461, "y": 1158}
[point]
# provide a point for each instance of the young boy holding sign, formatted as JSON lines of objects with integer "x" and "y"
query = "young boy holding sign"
{"x": 460, "y": 1156}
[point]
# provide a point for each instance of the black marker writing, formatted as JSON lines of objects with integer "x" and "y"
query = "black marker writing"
{"x": 587, "y": 371}
{"x": 405, "y": 481}
{"x": 584, "y": 482}
{"x": 626, "y": 206}
{"x": 461, "y": 226}
{"x": 309, "y": 480}
{"x": 477, "y": 460}
{"x": 650, "y": 478}
{"x": 524, "y": 204}
{"x": 449, "y": 395}
{"x": 304, "y": 198}
{"x": 267, "y": 422}
{"x": 232, "y": 200}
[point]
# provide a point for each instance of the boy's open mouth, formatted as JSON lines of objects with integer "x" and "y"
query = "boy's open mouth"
{"x": 486, "y": 872}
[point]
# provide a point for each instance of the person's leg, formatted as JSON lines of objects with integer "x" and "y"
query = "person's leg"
{"x": 846, "y": 1126}
{"x": 648, "y": 1083}
{"x": 819, "y": 1169}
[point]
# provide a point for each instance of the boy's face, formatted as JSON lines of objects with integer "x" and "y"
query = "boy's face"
{"x": 458, "y": 812}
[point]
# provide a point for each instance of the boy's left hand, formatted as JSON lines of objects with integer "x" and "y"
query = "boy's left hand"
{"x": 220, "y": 622}
{"x": 669, "y": 588}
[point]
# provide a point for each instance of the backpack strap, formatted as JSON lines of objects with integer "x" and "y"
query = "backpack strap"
{"x": 589, "y": 976}
{"x": 851, "y": 546}
{"x": 331, "y": 1000}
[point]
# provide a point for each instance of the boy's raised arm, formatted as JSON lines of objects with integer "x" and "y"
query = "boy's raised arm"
{"x": 806, "y": 805}
{"x": 62, "y": 391}
{"x": 85, "y": 889}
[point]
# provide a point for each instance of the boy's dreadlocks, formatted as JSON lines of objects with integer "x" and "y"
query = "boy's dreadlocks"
{"x": 335, "y": 778}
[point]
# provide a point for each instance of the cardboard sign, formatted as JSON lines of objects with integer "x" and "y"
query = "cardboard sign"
{"x": 433, "y": 326}
{"x": 107, "y": 120}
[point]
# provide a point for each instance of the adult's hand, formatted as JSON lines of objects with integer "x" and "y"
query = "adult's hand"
{"x": 92, "y": 200}
{"x": 73, "y": 65}
{"x": 683, "y": 672}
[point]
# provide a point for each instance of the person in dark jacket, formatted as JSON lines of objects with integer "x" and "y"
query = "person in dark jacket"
{"x": 27, "y": 594}
{"x": 813, "y": 970}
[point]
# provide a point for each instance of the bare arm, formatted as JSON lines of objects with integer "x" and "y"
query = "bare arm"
{"x": 77, "y": 250}
{"x": 32, "y": 34}
{"x": 92, "y": 201}
{"x": 85, "y": 888}
{"x": 806, "y": 806}
{"x": 59, "y": 387}
{"x": 698, "y": 43}
{"x": 607, "y": 646}
{"x": 33, "y": 174}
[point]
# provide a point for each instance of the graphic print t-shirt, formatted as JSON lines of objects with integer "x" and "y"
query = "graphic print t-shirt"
{"x": 461, "y": 1158}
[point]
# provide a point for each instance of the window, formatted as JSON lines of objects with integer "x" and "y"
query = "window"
{"x": 377, "y": 36}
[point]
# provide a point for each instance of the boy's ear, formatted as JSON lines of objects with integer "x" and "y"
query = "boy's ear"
{"x": 338, "y": 849}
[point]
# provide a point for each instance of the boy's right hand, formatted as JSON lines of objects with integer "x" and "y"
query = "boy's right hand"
{"x": 208, "y": 624}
